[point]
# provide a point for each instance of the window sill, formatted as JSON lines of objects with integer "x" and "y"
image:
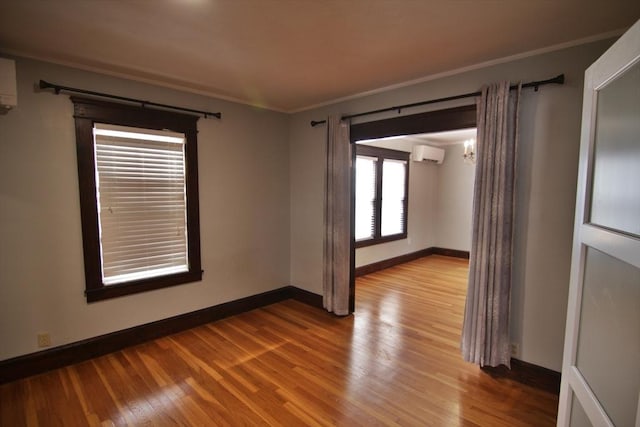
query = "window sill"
{"x": 128, "y": 288}
{"x": 379, "y": 240}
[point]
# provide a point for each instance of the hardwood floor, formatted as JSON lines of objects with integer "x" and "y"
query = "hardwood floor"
{"x": 395, "y": 362}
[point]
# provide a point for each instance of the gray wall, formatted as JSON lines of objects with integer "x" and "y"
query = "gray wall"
{"x": 244, "y": 213}
{"x": 548, "y": 157}
{"x": 454, "y": 202}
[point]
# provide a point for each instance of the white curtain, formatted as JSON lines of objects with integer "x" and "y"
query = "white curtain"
{"x": 337, "y": 233}
{"x": 485, "y": 332}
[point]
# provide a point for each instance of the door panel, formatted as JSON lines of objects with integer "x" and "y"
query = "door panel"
{"x": 608, "y": 349}
{"x": 616, "y": 200}
{"x": 601, "y": 362}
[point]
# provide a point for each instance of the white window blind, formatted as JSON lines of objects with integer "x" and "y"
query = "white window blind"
{"x": 365, "y": 197}
{"x": 393, "y": 192}
{"x": 140, "y": 179}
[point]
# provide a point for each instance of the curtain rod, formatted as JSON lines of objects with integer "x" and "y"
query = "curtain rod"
{"x": 59, "y": 88}
{"x": 559, "y": 79}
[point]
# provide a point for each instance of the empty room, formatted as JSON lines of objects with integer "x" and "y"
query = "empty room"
{"x": 295, "y": 212}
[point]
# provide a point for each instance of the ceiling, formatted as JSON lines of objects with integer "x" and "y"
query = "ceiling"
{"x": 434, "y": 139}
{"x": 290, "y": 55}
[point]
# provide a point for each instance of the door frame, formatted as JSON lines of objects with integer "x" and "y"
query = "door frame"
{"x": 432, "y": 121}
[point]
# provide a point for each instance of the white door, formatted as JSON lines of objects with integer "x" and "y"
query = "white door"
{"x": 601, "y": 365}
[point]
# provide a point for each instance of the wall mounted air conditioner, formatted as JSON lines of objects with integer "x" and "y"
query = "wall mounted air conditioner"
{"x": 427, "y": 153}
{"x": 8, "y": 87}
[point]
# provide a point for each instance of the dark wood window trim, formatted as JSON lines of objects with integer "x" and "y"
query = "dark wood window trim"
{"x": 381, "y": 154}
{"x": 88, "y": 111}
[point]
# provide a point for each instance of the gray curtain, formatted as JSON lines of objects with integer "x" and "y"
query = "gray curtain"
{"x": 337, "y": 233}
{"x": 485, "y": 332}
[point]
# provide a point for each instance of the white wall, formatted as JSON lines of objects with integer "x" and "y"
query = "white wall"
{"x": 549, "y": 138}
{"x": 244, "y": 213}
{"x": 454, "y": 202}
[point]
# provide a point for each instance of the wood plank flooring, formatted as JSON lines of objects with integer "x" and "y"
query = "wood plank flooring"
{"x": 395, "y": 362}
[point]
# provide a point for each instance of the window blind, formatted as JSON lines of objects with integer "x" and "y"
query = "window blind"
{"x": 393, "y": 192}
{"x": 140, "y": 179}
{"x": 365, "y": 197}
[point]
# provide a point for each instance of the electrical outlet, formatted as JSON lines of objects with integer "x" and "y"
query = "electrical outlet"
{"x": 515, "y": 349}
{"x": 44, "y": 340}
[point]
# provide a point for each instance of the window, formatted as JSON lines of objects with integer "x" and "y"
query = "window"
{"x": 382, "y": 181}
{"x": 137, "y": 171}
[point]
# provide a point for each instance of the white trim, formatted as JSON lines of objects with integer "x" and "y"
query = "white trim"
{"x": 613, "y": 243}
{"x": 590, "y": 404}
{"x": 185, "y": 85}
{"x": 155, "y": 80}
{"x": 485, "y": 64}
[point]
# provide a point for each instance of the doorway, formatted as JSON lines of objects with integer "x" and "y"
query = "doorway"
{"x": 423, "y": 123}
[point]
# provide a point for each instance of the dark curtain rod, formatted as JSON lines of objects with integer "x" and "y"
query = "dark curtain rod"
{"x": 535, "y": 85}
{"x": 59, "y": 88}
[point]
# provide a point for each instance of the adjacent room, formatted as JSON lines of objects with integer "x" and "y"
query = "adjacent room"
{"x": 279, "y": 212}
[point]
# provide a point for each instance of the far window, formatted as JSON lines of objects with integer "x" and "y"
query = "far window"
{"x": 381, "y": 195}
{"x": 137, "y": 171}
{"x": 140, "y": 185}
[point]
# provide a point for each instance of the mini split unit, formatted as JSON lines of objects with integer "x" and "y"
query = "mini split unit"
{"x": 8, "y": 91}
{"x": 421, "y": 153}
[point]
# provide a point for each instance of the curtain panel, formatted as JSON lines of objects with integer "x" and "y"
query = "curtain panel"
{"x": 485, "y": 332}
{"x": 337, "y": 229}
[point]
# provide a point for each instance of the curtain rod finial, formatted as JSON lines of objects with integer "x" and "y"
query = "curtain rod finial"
{"x": 46, "y": 85}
